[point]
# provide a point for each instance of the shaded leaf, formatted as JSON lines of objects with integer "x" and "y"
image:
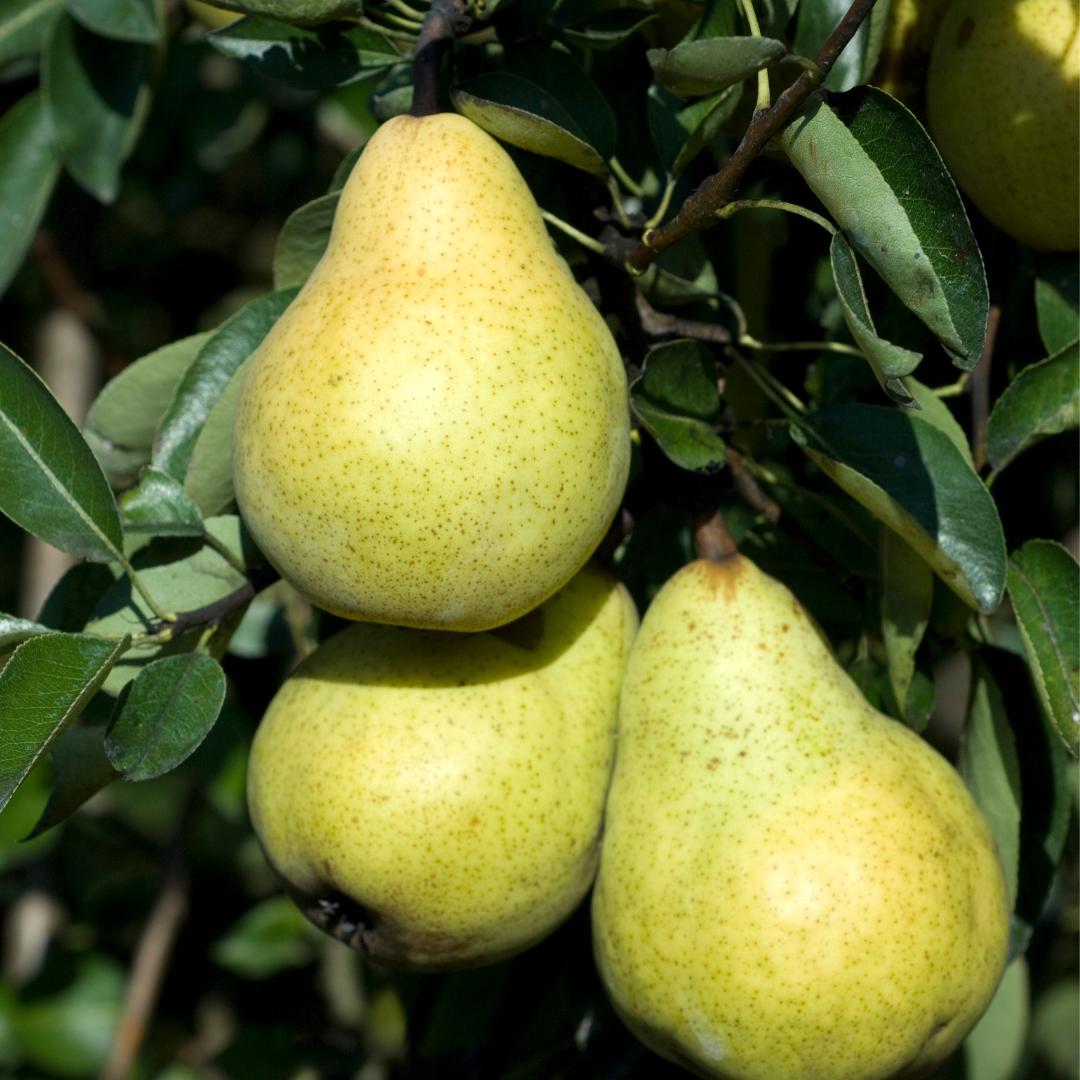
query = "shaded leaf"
{"x": 161, "y": 506}
{"x": 122, "y": 20}
{"x": 607, "y": 29}
{"x": 341, "y": 174}
{"x": 301, "y": 12}
{"x": 907, "y": 593}
{"x": 71, "y": 602}
{"x": 708, "y": 65}
{"x": 994, "y": 1046}
{"x": 1044, "y": 586}
{"x": 1043, "y": 400}
{"x": 28, "y": 172}
{"x": 817, "y": 20}
{"x": 97, "y": 97}
{"x": 14, "y": 631}
{"x": 52, "y": 485}
{"x": 272, "y": 936}
{"x": 202, "y": 383}
{"x": 681, "y": 132}
{"x": 677, "y": 399}
{"x": 934, "y": 410}
{"x": 43, "y": 688}
{"x": 1059, "y": 321}
{"x": 909, "y": 474}
{"x": 875, "y": 169}
{"x": 521, "y": 113}
{"x": 24, "y": 25}
{"x": 80, "y": 770}
{"x": 302, "y": 241}
{"x": 166, "y": 713}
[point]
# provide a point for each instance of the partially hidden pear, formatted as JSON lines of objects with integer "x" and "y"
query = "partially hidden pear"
{"x": 435, "y": 799}
{"x": 436, "y": 432}
{"x": 793, "y": 886}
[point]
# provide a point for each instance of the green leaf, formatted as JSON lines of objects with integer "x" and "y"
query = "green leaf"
{"x": 991, "y": 770}
{"x": 706, "y": 66}
{"x": 1059, "y": 321}
{"x": 121, "y": 423}
{"x": 300, "y": 12}
{"x": 607, "y": 29}
{"x": 817, "y": 20}
{"x": 160, "y": 506}
{"x": 203, "y": 382}
{"x": 51, "y": 484}
{"x": 71, "y": 602}
{"x": 677, "y": 399}
{"x": 80, "y": 770}
{"x": 306, "y": 57}
{"x": 994, "y": 1046}
{"x": 122, "y": 20}
{"x": 209, "y": 479}
{"x": 907, "y": 592}
{"x": 910, "y": 475}
{"x": 97, "y": 96}
{"x": 1043, "y": 400}
{"x": 43, "y": 688}
{"x": 272, "y": 936}
{"x": 1054, "y": 1026}
{"x": 165, "y": 715}
{"x": 302, "y": 241}
{"x": 342, "y": 173}
{"x": 28, "y": 172}
{"x": 14, "y": 631}
{"x": 24, "y": 25}
{"x": 1044, "y": 586}
{"x": 933, "y": 409}
{"x": 889, "y": 362}
{"x": 681, "y": 133}
{"x": 875, "y": 169}
{"x": 521, "y": 113}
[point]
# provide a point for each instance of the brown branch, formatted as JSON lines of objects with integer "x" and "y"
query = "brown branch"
{"x": 659, "y": 324}
{"x": 748, "y": 487}
{"x": 979, "y": 387}
{"x": 699, "y": 210}
{"x": 444, "y": 20}
{"x": 209, "y": 614}
{"x": 711, "y": 536}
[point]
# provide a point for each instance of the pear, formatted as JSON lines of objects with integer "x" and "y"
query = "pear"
{"x": 435, "y": 799}
{"x": 792, "y": 886}
{"x": 436, "y": 432}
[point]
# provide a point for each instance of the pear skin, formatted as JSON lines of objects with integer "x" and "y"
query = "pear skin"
{"x": 793, "y": 886}
{"x": 436, "y": 432}
{"x": 435, "y": 799}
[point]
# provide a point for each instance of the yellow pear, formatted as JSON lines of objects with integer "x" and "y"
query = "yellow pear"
{"x": 436, "y": 432}
{"x": 1003, "y": 98}
{"x": 792, "y": 886}
{"x": 435, "y": 799}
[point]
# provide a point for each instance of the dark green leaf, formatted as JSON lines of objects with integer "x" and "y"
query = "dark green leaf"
{"x": 1059, "y": 321}
{"x": 272, "y": 936}
{"x": 28, "y": 172}
{"x": 306, "y": 57}
{"x": 875, "y": 169}
{"x": 160, "y": 506}
{"x": 1044, "y": 586}
{"x": 72, "y": 600}
{"x": 521, "y": 113}
{"x": 202, "y": 383}
{"x": 907, "y": 592}
{"x": 342, "y": 172}
{"x": 889, "y": 362}
{"x": 677, "y": 399}
{"x": 608, "y": 28}
{"x": 706, "y": 66}
{"x": 910, "y": 475}
{"x": 301, "y": 12}
{"x": 302, "y": 241}
{"x": 167, "y": 712}
{"x": 921, "y": 697}
{"x": 817, "y": 20}
{"x": 681, "y": 133}
{"x": 24, "y": 25}
{"x": 123, "y": 20}
{"x": 1044, "y": 399}
{"x": 43, "y": 688}
{"x": 15, "y": 631}
{"x": 934, "y": 410}
{"x": 80, "y": 770}
{"x": 97, "y": 96}
{"x": 51, "y": 484}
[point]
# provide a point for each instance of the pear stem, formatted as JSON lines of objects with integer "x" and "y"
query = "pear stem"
{"x": 446, "y": 19}
{"x": 711, "y": 536}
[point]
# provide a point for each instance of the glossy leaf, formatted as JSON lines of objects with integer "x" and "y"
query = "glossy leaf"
{"x": 165, "y": 715}
{"x": 80, "y": 770}
{"x": 209, "y": 479}
{"x": 14, "y": 631}
{"x": 907, "y": 592}
{"x": 994, "y": 1046}
{"x": 1059, "y": 321}
{"x": 911, "y": 476}
{"x": 934, "y": 410}
{"x": 1044, "y": 586}
{"x": 24, "y": 25}
{"x": 677, "y": 399}
{"x": 300, "y": 12}
{"x": 97, "y": 96}
{"x": 305, "y": 57}
{"x": 991, "y": 770}
{"x": 889, "y": 362}
{"x": 51, "y": 484}
{"x": 1043, "y": 400}
{"x": 202, "y": 383}
{"x": 521, "y": 113}
{"x": 43, "y": 688}
{"x": 817, "y": 20}
{"x": 122, "y": 20}
{"x": 706, "y": 66}
{"x": 302, "y": 241}
{"x": 28, "y": 172}
{"x": 875, "y": 169}
{"x": 608, "y": 29}
{"x": 161, "y": 506}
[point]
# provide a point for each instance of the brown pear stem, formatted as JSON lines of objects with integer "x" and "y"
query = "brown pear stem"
{"x": 444, "y": 20}
{"x": 711, "y": 536}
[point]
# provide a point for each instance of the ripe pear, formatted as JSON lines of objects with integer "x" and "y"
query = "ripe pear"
{"x": 435, "y": 799}
{"x": 1003, "y": 98}
{"x": 436, "y": 432}
{"x": 792, "y": 886}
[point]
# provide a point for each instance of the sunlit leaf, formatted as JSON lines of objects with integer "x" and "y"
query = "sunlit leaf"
{"x": 161, "y": 506}
{"x": 706, "y": 66}
{"x": 209, "y": 479}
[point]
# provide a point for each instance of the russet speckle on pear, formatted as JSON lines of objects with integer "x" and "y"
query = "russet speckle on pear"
{"x": 436, "y": 432}
{"x": 792, "y": 885}
{"x": 435, "y": 798}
